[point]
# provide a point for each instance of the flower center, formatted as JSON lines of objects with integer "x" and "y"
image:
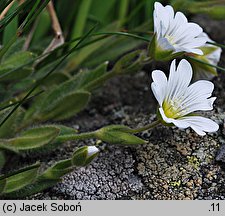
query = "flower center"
{"x": 170, "y": 39}
{"x": 172, "y": 109}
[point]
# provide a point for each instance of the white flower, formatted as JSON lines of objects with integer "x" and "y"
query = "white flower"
{"x": 177, "y": 99}
{"x": 211, "y": 55}
{"x": 91, "y": 150}
{"x": 174, "y": 32}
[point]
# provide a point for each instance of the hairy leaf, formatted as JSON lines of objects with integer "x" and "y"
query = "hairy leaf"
{"x": 33, "y": 138}
{"x": 20, "y": 179}
{"x": 65, "y": 106}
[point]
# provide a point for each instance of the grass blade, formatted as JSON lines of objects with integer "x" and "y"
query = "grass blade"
{"x": 216, "y": 44}
{"x": 124, "y": 6}
{"x": 4, "y": 22}
{"x": 81, "y": 18}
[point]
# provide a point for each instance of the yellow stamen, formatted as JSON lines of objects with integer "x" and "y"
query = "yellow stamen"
{"x": 171, "y": 109}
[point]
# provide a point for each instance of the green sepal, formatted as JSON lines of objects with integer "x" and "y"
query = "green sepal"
{"x": 118, "y": 134}
{"x": 159, "y": 54}
{"x": 80, "y": 157}
{"x": 58, "y": 170}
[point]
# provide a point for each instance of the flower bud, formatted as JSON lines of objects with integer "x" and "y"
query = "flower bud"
{"x": 84, "y": 155}
{"x": 118, "y": 134}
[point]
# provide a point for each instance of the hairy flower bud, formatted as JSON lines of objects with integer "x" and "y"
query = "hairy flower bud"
{"x": 84, "y": 155}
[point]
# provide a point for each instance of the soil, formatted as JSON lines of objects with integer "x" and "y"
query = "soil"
{"x": 174, "y": 164}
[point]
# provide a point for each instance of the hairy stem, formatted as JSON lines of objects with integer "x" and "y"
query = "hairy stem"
{"x": 92, "y": 134}
{"x": 146, "y": 127}
{"x": 86, "y": 135}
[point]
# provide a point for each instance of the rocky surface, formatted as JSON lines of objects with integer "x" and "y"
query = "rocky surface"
{"x": 174, "y": 164}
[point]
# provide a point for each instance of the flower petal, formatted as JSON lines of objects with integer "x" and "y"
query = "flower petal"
{"x": 183, "y": 36}
{"x": 200, "y": 124}
{"x": 201, "y": 105}
{"x": 196, "y": 97}
{"x": 179, "y": 79}
{"x": 184, "y": 76}
{"x": 164, "y": 117}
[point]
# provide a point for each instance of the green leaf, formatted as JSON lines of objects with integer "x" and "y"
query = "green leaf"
{"x": 20, "y": 180}
{"x": 130, "y": 63}
{"x": 10, "y": 127}
{"x": 49, "y": 73}
{"x": 16, "y": 47}
{"x": 85, "y": 77}
{"x": 9, "y": 68}
{"x": 55, "y": 79}
{"x": 33, "y": 138}
{"x": 5, "y": 147}
{"x": 37, "y": 186}
{"x": 67, "y": 99}
{"x": 64, "y": 130}
{"x": 65, "y": 106}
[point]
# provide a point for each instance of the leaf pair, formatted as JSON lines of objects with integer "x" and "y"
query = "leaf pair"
{"x": 36, "y": 138}
{"x": 30, "y": 180}
{"x": 67, "y": 99}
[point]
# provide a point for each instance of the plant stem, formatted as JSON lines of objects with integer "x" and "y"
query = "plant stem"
{"x": 203, "y": 62}
{"x": 55, "y": 22}
{"x": 5, "y": 11}
{"x": 92, "y": 134}
{"x": 146, "y": 127}
{"x": 86, "y": 135}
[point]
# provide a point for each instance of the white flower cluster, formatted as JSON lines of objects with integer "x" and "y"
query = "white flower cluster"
{"x": 177, "y": 98}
